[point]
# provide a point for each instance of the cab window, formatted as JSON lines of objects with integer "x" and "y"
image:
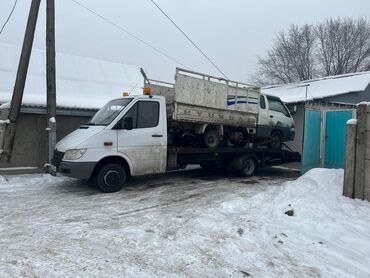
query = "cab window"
{"x": 144, "y": 114}
{"x": 276, "y": 105}
{"x": 147, "y": 114}
{"x": 262, "y": 102}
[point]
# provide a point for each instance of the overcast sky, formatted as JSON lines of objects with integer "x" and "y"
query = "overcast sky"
{"x": 232, "y": 32}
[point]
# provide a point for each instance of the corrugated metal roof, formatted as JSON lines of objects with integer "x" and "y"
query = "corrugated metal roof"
{"x": 320, "y": 88}
{"x": 81, "y": 82}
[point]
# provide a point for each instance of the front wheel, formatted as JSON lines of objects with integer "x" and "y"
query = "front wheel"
{"x": 111, "y": 178}
{"x": 276, "y": 140}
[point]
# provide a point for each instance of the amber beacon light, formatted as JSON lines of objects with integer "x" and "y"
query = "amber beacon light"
{"x": 147, "y": 91}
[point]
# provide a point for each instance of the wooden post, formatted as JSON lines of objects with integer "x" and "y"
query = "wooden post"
{"x": 50, "y": 77}
{"x": 360, "y": 151}
{"x": 349, "y": 169}
{"x": 16, "y": 102}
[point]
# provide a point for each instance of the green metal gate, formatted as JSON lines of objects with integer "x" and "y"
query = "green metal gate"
{"x": 335, "y": 137}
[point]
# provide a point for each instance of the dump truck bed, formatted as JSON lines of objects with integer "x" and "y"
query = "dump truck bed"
{"x": 204, "y": 99}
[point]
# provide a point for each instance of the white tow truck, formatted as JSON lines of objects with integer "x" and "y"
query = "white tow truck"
{"x": 141, "y": 135}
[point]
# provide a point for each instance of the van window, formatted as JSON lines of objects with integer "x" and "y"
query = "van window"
{"x": 147, "y": 114}
{"x": 109, "y": 111}
{"x": 262, "y": 102}
{"x": 144, "y": 114}
{"x": 276, "y": 105}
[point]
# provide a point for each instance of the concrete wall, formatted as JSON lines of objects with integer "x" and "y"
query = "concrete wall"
{"x": 356, "y": 173}
{"x": 30, "y": 146}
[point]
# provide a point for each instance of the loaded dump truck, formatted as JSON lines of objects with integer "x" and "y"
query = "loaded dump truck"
{"x": 155, "y": 133}
{"x": 208, "y": 111}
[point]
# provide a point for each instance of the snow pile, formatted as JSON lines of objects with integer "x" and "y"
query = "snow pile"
{"x": 352, "y": 122}
{"x": 5, "y": 105}
{"x": 364, "y": 103}
{"x": 5, "y": 122}
{"x": 328, "y": 234}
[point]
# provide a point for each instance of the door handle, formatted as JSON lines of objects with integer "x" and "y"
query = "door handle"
{"x": 157, "y": 135}
{"x": 271, "y": 116}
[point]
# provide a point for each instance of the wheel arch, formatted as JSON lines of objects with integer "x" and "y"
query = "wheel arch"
{"x": 113, "y": 159}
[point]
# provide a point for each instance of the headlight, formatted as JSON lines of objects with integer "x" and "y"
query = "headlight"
{"x": 74, "y": 154}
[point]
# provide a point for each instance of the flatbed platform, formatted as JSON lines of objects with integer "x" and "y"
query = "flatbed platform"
{"x": 263, "y": 156}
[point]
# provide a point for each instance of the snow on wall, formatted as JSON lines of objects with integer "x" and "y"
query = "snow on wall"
{"x": 81, "y": 82}
{"x": 320, "y": 88}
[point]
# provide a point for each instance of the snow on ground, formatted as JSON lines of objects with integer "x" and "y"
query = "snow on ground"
{"x": 184, "y": 224}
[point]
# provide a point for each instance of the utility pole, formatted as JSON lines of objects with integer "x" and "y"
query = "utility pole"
{"x": 50, "y": 77}
{"x": 16, "y": 102}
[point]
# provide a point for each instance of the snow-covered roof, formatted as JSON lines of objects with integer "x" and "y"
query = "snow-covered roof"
{"x": 320, "y": 88}
{"x": 81, "y": 82}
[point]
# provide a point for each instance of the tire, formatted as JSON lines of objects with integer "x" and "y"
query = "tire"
{"x": 211, "y": 139}
{"x": 277, "y": 138}
{"x": 111, "y": 178}
{"x": 248, "y": 166}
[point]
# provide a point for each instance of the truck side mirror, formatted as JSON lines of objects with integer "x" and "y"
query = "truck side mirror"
{"x": 293, "y": 110}
{"x": 128, "y": 123}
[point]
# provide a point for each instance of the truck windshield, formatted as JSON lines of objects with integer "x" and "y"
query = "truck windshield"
{"x": 109, "y": 111}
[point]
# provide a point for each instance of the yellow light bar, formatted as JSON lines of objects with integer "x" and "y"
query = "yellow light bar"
{"x": 125, "y": 94}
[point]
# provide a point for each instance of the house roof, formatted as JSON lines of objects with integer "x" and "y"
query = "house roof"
{"x": 320, "y": 88}
{"x": 82, "y": 83}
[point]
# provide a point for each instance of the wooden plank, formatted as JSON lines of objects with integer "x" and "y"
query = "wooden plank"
{"x": 367, "y": 180}
{"x": 360, "y": 151}
{"x": 349, "y": 169}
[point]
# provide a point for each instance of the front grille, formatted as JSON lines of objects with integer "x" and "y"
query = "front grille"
{"x": 57, "y": 158}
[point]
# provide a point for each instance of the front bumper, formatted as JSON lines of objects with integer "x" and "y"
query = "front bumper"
{"x": 290, "y": 134}
{"x": 78, "y": 170}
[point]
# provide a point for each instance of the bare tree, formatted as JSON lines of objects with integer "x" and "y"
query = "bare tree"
{"x": 334, "y": 47}
{"x": 344, "y": 45}
{"x": 291, "y": 58}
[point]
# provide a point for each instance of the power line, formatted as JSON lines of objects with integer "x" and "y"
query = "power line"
{"x": 10, "y": 15}
{"x": 129, "y": 33}
{"x": 188, "y": 38}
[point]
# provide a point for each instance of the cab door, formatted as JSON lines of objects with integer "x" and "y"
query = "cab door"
{"x": 142, "y": 137}
{"x": 264, "y": 120}
{"x": 279, "y": 115}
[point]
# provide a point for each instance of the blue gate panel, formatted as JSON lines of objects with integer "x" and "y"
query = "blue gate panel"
{"x": 311, "y": 141}
{"x": 335, "y": 138}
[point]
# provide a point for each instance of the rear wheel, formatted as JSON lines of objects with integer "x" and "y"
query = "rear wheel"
{"x": 277, "y": 140}
{"x": 111, "y": 178}
{"x": 248, "y": 166}
{"x": 211, "y": 139}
